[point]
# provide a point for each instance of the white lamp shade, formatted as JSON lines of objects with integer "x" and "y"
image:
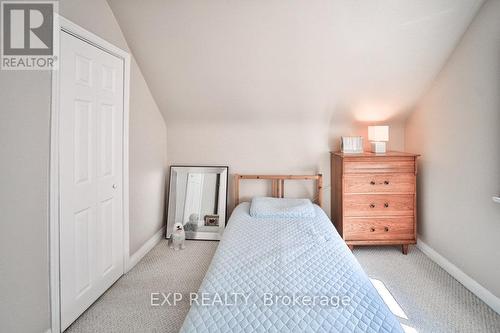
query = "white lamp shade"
{"x": 378, "y": 133}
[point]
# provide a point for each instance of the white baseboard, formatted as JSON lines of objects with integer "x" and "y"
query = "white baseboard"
{"x": 484, "y": 294}
{"x": 139, "y": 254}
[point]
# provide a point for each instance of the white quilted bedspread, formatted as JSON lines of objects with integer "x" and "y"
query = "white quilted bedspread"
{"x": 267, "y": 259}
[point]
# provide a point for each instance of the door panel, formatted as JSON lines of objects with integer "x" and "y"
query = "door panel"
{"x": 106, "y": 124}
{"x": 83, "y": 136}
{"x": 91, "y": 174}
{"x": 106, "y": 221}
{"x": 82, "y": 246}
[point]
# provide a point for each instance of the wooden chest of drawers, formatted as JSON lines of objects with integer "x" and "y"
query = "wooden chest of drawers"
{"x": 374, "y": 198}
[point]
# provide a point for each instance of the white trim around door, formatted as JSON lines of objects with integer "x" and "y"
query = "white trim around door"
{"x": 54, "y": 208}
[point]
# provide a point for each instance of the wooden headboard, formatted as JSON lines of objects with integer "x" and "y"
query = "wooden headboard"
{"x": 278, "y": 185}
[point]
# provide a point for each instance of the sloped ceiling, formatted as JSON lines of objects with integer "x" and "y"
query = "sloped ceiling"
{"x": 294, "y": 60}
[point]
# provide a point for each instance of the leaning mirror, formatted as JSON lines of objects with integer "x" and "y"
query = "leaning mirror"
{"x": 197, "y": 199}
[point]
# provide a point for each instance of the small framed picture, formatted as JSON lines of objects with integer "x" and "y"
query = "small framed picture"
{"x": 351, "y": 144}
{"x": 212, "y": 220}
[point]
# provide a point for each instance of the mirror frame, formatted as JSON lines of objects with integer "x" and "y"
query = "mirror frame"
{"x": 224, "y": 171}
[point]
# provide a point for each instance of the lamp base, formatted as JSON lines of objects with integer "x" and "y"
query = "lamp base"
{"x": 378, "y": 147}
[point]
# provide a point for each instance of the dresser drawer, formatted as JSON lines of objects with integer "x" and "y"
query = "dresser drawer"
{"x": 380, "y": 166}
{"x": 380, "y": 183}
{"x": 401, "y": 228}
{"x": 379, "y": 205}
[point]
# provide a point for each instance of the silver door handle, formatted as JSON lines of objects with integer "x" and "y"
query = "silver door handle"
{"x": 115, "y": 186}
{"x": 496, "y": 199}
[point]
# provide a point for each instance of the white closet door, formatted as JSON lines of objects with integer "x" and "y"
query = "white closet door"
{"x": 91, "y": 174}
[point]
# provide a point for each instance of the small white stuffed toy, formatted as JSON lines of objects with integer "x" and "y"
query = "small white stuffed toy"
{"x": 178, "y": 237}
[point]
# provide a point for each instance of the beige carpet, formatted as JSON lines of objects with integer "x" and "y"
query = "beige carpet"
{"x": 432, "y": 299}
{"x": 429, "y": 297}
{"x": 126, "y": 307}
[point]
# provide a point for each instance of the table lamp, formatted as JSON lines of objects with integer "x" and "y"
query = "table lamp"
{"x": 378, "y": 135}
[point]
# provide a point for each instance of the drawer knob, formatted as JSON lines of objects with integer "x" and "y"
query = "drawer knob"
{"x": 372, "y": 229}
{"x": 386, "y": 205}
{"x": 372, "y": 205}
{"x": 386, "y": 182}
{"x": 386, "y": 229}
{"x": 372, "y": 183}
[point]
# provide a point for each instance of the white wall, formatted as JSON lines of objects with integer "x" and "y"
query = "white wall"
{"x": 456, "y": 128}
{"x": 148, "y": 163}
{"x": 24, "y": 170}
{"x": 264, "y": 147}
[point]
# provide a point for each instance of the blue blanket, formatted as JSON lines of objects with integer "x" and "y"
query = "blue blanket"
{"x": 291, "y": 275}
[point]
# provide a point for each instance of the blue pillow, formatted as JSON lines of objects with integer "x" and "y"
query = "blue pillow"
{"x": 265, "y": 207}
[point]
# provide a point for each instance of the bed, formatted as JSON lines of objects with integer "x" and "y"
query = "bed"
{"x": 286, "y": 274}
